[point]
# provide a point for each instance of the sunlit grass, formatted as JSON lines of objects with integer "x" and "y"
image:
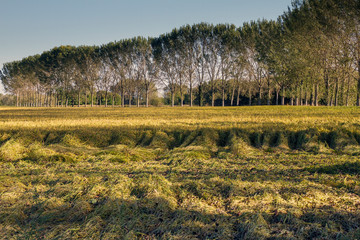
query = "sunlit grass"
{"x": 174, "y": 173}
{"x": 18, "y": 118}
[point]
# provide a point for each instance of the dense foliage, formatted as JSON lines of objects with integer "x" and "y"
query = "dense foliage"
{"x": 310, "y": 55}
{"x": 6, "y": 100}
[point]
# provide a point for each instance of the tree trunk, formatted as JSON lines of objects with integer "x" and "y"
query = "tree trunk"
{"x": 317, "y": 95}
{"x": 40, "y": 99}
{"x": 358, "y": 86}
{"x": 172, "y": 97}
{"x": 17, "y": 99}
{"x": 106, "y": 95}
{"x": 138, "y": 100}
{"x": 336, "y": 93}
{"x": 86, "y": 98}
{"x": 348, "y": 91}
{"x": 35, "y": 99}
{"x": 238, "y": 96}
{"x": 283, "y": 97}
{"x": 46, "y": 99}
{"x": 200, "y": 95}
{"x": 260, "y": 95}
{"x": 212, "y": 98}
{"x": 332, "y": 97}
{"x": 122, "y": 98}
{"x": 223, "y": 97}
{"x": 191, "y": 94}
{"x": 51, "y": 98}
{"x": 181, "y": 96}
{"x": 277, "y": 96}
{"x": 79, "y": 99}
{"x": 312, "y": 95}
{"x": 327, "y": 88}
{"x": 113, "y": 100}
{"x": 342, "y": 91}
{"x": 250, "y": 103}
{"x": 147, "y": 96}
{"x": 358, "y": 63}
{"x": 232, "y": 96}
{"x": 269, "y": 97}
{"x": 92, "y": 98}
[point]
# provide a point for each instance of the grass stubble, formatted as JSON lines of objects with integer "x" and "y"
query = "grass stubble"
{"x": 180, "y": 173}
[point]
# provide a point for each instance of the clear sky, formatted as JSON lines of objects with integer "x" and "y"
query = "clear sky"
{"x": 29, "y": 27}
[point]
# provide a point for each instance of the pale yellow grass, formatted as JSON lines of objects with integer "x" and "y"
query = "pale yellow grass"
{"x": 244, "y": 117}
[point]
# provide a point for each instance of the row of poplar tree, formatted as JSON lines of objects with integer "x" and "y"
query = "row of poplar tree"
{"x": 309, "y": 56}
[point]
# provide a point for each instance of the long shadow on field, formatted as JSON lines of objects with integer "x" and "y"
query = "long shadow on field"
{"x": 170, "y": 137}
{"x": 159, "y": 210}
{"x": 146, "y": 218}
{"x": 351, "y": 168}
{"x": 160, "y": 218}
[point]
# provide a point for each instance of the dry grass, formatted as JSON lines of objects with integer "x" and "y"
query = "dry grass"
{"x": 302, "y": 117}
{"x": 161, "y": 173}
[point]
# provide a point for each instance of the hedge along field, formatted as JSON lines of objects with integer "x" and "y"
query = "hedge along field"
{"x": 180, "y": 173}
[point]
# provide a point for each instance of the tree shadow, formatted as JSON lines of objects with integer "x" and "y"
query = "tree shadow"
{"x": 160, "y": 218}
{"x": 351, "y": 168}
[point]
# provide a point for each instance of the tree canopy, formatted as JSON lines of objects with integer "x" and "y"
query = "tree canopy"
{"x": 309, "y": 56}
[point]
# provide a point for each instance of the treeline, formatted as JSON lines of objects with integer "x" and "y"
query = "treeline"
{"x": 309, "y": 56}
{"x": 6, "y": 100}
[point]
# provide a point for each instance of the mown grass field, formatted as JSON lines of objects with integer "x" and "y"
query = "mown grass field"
{"x": 180, "y": 173}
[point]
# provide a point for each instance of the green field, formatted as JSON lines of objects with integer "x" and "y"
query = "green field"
{"x": 180, "y": 173}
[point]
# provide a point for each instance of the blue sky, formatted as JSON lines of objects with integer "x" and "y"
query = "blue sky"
{"x": 29, "y": 27}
